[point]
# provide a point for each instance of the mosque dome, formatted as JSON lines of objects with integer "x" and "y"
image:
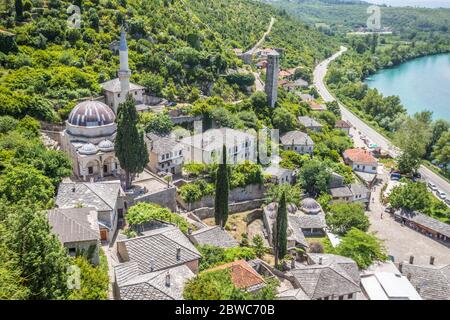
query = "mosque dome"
{"x": 106, "y": 145}
{"x": 91, "y": 113}
{"x": 310, "y": 206}
{"x": 88, "y": 149}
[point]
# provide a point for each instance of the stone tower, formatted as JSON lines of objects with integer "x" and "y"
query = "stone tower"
{"x": 271, "y": 87}
{"x": 124, "y": 70}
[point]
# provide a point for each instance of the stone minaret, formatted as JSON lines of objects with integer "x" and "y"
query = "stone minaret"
{"x": 272, "y": 69}
{"x": 124, "y": 71}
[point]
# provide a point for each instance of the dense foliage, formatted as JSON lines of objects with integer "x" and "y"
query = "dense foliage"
{"x": 344, "y": 216}
{"x": 362, "y": 247}
{"x": 143, "y": 212}
{"x": 213, "y": 256}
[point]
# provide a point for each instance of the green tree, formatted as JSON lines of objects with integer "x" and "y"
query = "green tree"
{"x": 362, "y": 247}
{"x": 222, "y": 189}
{"x": 19, "y": 9}
{"x": 333, "y": 107}
{"x": 24, "y": 182}
{"x": 344, "y": 216}
{"x": 40, "y": 255}
{"x": 412, "y": 138}
{"x": 275, "y": 192}
{"x": 144, "y": 212}
{"x": 280, "y": 231}
{"x": 412, "y": 196}
{"x": 314, "y": 177}
{"x": 283, "y": 120}
{"x": 94, "y": 280}
{"x": 160, "y": 124}
{"x": 258, "y": 243}
{"x": 11, "y": 281}
{"x": 133, "y": 157}
{"x": 213, "y": 285}
{"x": 441, "y": 150}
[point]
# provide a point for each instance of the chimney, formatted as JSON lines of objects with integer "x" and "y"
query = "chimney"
{"x": 320, "y": 260}
{"x": 151, "y": 265}
{"x": 189, "y": 230}
{"x": 167, "y": 279}
{"x": 293, "y": 263}
{"x": 400, "y": 267}
{"x": 411, "y": 259}
{"x": 408, "y": 276}
{"x": 178, "y": 253}
{"x": 432, "y": 260}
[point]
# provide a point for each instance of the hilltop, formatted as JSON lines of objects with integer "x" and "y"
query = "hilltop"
{"x": 173, "y": 52}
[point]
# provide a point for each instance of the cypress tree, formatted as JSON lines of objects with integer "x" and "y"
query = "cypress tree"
{"x": 19, "y": 9}
{"x": 280, "y": 230}
{"x": 222, "y": 189}
{"x": 130, "y": 146}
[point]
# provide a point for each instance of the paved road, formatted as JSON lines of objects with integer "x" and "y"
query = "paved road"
{"x": 374, "y": 136}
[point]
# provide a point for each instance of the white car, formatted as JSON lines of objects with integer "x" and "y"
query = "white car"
{"x": 441, "y": 194}
{"x": 432, "y": 186}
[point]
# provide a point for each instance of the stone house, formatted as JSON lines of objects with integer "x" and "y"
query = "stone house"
{"x": 107, "y": 198}
{"x": 310, "y": 123}
{"x": 155, "y": 266}
{"x": 165, "y": 154}
{"x": 297, "y": 141}
{"x": 206, "y": 147}
{"x": 77, "y": 229}
{"x": 361, "y": 160}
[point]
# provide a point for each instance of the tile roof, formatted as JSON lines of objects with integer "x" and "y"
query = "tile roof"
{"x": 277, "y": 171}
{"x": 243, "y": 275}
{"x": 308, "y": 221}
{"x": 426, "y": 221}
{"x": 213, "y": 139}
{"x": 358, "y": 188}
{"x": 214, "y": 236}
{"x": 359, "y": 155}
{"x": 74, "y": 225}
{"x": 309, "y": 122}
{"x": 296, "y": 138}
{"x": 153, "y": 286}
{"x": 293, "y": 294}
{"x": 157, "y": 249}
{"x": 431, "y": 282}
{"x": 319, "y": 281}
{"x": 342, "y": 124}
{"x": 161, "y": 145}
{"x": 100, "y": 195}
{"x": 347, "y": 264}
{"x": 341, "y": 192}
{"x": 114, "y": 86}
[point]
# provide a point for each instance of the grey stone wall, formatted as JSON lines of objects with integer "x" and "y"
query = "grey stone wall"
{"x": 250, "y": 192}
{"x": 208, "y": 212}
{"x": 165, "y": 198}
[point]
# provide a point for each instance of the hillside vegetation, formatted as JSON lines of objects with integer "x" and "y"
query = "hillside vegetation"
{"x": 178, "y": 49}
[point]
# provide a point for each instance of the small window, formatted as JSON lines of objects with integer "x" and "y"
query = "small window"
{"x": 341, "y": 297}
{"x": 72, "y": 251}
{"x": 350, "y": 296}
{"x": 118, "y": 95}
{"x": 90, "y": 170}
{"x": 374, "y": 168}
{"x": 180, "y": 152}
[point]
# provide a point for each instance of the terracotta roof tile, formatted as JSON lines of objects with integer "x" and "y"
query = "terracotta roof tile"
{"x": 359, "y": 155}
{"x": 243, "y": 275}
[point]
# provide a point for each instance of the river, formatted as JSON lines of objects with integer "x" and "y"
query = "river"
{"x": 421, "y": 84}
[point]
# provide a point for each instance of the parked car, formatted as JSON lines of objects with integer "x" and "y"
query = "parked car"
{"x": 447, "y": 201}
{"x": 396, "y": 176}
{"x": 441, "y": 194}
{"x": 432, "y": 186}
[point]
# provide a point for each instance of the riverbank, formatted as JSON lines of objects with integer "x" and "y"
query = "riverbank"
{"x": 421, "y": 83}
